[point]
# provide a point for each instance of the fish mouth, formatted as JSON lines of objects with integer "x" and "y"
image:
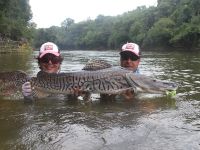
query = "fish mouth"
{"x": 149, "y": 85}
{"x": 164, "y": 87}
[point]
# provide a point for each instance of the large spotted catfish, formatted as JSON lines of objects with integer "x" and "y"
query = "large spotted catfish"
{"x": 110, "y": 80}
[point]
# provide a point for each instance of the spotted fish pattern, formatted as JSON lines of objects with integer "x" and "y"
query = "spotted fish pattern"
{"x": 114, "y": 80}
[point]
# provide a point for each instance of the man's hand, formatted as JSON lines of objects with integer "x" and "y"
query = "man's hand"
{"x": 26, "y": 89}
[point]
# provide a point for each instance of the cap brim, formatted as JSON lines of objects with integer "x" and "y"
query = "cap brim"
{"x": 49, "y": 52}
{"x": 125, "y": 51}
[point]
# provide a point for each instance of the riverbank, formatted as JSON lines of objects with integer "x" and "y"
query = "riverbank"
{"x": 11, "y": 46}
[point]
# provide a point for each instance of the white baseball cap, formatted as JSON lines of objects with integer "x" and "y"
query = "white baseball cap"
{"x": 131, "y": 47}
{"x": 49, "y": 47}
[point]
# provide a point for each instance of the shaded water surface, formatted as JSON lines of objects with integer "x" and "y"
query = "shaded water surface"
{"x": 143, "y": 123}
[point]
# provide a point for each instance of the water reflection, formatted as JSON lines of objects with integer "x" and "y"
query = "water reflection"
{"x": 61, "y": 123}
{"x": 145, "y": 122}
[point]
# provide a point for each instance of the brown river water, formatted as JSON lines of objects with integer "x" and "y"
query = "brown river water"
{"x": 146, "y": 122}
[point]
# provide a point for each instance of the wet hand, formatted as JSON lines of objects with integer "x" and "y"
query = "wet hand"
{"x": 129, "y": 94}
{"x": 26, "y": 89}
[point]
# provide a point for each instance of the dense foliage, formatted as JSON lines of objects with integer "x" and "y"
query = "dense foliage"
{"x": 171, "y": 24}
{"x": 14, "y": 20}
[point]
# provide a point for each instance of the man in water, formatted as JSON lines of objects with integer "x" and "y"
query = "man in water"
{"x": 130, "y": 57}
{"x": 49, "y": 60}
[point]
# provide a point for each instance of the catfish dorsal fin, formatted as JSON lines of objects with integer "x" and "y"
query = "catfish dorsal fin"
{"x": 95, "y": 64}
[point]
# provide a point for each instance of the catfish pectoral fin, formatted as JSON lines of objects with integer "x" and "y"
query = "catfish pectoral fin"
{"x": 38, "y": 94}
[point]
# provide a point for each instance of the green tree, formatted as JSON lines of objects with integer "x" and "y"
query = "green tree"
{"x": 171, "y": 23}
{"x": 14, "y": 19}
{"x": 160, "y": 33}
{"x": 67, "y": 23}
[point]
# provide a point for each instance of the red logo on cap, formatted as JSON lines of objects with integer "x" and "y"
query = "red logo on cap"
{"x": 48, "y": 47}
{"x": 129, "y": 46}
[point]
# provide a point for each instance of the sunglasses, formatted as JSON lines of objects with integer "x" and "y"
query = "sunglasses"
{"x": 54, "y": 59}
{"x": 126, "y": 56}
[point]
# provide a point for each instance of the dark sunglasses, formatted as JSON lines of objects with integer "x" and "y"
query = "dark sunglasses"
{"x": 54, "y": 59}
{"x": 127, "y": 56}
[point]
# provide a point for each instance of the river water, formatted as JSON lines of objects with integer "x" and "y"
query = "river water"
{"x": 147, "y": 122}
